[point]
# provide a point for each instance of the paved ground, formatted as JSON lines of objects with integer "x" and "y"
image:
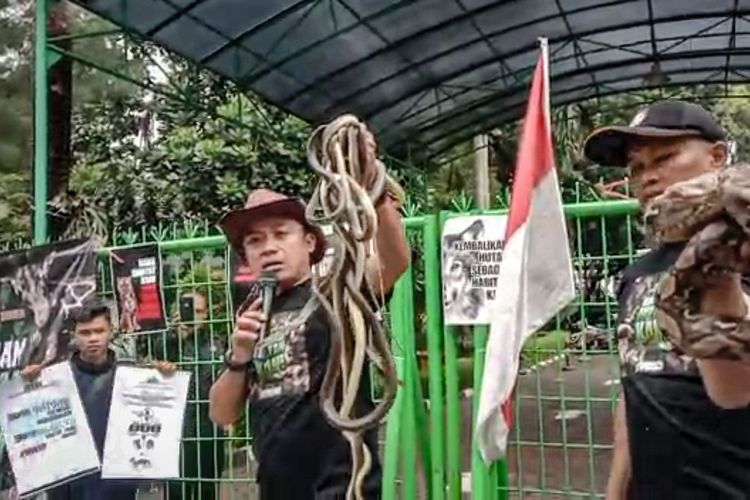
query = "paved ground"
{"x": 562, "y": 442}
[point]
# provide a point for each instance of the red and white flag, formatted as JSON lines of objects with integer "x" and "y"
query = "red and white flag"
{"x": 536, "y": 273}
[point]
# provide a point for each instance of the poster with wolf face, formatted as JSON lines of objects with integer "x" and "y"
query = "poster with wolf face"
{"x": 136, "y": 282}
{"x": 471, "y": 255}
{"x": 39, "y": 288}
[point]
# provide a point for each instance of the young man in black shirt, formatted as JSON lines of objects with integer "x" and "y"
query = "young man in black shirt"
{"x": 93, "y": 364}
{"x": 682, "y": 426}
{"x": 300, "y": 455}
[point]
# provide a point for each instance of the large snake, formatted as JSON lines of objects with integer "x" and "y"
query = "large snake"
{"x": 357, "y": 333}
{"x": 712, "y": 214}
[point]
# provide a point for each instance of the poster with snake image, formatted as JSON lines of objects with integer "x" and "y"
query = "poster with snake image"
{"x": 137, "y": 285}
{"x": 145, "y": 424}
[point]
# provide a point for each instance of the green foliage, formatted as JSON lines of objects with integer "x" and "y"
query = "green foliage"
{"x": 201, "y": 164}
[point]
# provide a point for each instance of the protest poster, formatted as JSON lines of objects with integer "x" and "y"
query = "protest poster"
{"x": 136, "y": 281}
{"x": 39, "y": 288}
{"x": 471, "y": 254}
{"x": 46, "y": 432}
{"x": 145, "y": 424}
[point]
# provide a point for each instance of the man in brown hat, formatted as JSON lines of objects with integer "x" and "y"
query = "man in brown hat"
{"x": 682, "y": 426}
{"x": 300, "y": 455}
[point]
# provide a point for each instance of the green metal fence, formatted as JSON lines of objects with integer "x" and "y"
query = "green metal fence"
{"x": 564, "y": 401}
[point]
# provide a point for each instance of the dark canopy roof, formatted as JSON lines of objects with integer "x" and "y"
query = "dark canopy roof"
{"x": 431, "y": 73}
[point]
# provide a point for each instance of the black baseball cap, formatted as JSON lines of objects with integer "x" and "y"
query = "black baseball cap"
{"x": 609, "y": 145}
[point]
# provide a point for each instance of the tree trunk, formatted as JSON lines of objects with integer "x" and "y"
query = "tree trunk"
{"x": 60, "y": 114}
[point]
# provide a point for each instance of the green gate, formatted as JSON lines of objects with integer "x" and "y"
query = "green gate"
{"x": 562, "y": 434}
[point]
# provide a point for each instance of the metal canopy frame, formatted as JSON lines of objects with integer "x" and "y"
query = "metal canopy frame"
{"x": 428, "y": 74}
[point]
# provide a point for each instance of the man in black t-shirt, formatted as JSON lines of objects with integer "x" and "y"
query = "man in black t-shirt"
{"x": 682, "y": 426}
{"x": 300, "y": 455}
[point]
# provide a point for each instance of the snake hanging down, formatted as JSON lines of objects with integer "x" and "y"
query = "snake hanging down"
{"x": 712, "y": 214}
{"x": 345, "y": 291}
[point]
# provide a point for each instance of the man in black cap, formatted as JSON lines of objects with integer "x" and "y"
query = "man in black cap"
{"x": 682, "y": 426}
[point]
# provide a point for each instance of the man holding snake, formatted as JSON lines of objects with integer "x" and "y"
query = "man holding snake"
{"x": 300, "y": 455}
{"x": 682, "y": 425}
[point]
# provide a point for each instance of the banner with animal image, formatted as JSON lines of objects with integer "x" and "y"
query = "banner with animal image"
{"x": 39, "y": 288}
{"x": 136, "y": 281}
{"x": 472, "y": 248}
{"x": 44, "y": 425}
{"x": 145, "y": 424}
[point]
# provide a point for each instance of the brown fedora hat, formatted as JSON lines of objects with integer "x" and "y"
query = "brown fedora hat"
{"x": 262, "y": 203}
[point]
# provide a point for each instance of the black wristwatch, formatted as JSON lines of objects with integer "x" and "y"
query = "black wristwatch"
{"x": 235, "y": 367}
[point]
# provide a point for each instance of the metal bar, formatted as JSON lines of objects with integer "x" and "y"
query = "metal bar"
{"x": 464, "y": 69}
{"x": 393, "y": 424}
{"x": 490, "y": 81}
{"x": 41, "y": 126}
{"x": 652, "y": 28}
{"x": 434, "y": 313}
{"x": 153, "y": 88}
{"x": 84, "y": 35}
{"x": 392, "y": 7}
{"x": 500, "y": 57}
{"x": 257, "y": 27}
{"x": 472, "y": 107}
{"x": 578, "y": 210}
{"x": 408, "y": 421}
{"x": 480, "y": 472}
{"x": 732, "y": 44}
{"x": 452, "y": 407}
{"x": 484, "y": 9}
{"x": 481, "y": 121}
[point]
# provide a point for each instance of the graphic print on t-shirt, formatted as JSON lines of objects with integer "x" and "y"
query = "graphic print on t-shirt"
{"x": 643, "y": 346}
{"x": 280, "y": 359}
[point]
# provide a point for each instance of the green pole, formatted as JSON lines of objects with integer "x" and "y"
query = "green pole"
{"x": 41, "y": 138}
{"x": 480, "y": 472}
{"x": 434, "y": 309}
{"x": 416, "y": 415}
{"x": 453, "y": 408}
{"x": 409, "y": 439}
{"x": 393, "y": 424}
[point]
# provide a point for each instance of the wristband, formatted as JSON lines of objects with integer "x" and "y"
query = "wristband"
{"x": 233, "y": 366}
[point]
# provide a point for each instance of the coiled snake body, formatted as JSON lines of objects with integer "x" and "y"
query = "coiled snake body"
{"x": 341, "y": 201}
{"x": 712, "y": 213}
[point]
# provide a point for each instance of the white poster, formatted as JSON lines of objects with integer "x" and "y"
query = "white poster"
{"x": 145, "y": 424}
{"x": 471, "y": 254}
{"x": 46, "y": 431}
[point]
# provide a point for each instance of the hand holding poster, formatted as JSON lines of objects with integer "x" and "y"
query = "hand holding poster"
{"x": 136, "y": 281}
{"x": 145, "y": 424}
{"x": 472, "y": 252}
{"x": 46, "y": 432}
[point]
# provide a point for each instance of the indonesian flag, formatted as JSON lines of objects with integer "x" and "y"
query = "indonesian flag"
{"x": 536, "y": 274}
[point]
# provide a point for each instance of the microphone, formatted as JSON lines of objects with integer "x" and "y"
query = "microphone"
{"x": 267, "y": 283}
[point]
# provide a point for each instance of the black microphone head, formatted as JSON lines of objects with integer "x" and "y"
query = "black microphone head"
{"x": 268, "y": 278}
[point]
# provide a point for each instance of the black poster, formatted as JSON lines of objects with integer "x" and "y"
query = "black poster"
{"x": 39, "y": 287}
{"x": 242, "y": 284}
{"x": 136, "y": 281}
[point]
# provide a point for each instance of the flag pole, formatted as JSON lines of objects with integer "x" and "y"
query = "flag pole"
{"x": 544, "y": 46}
